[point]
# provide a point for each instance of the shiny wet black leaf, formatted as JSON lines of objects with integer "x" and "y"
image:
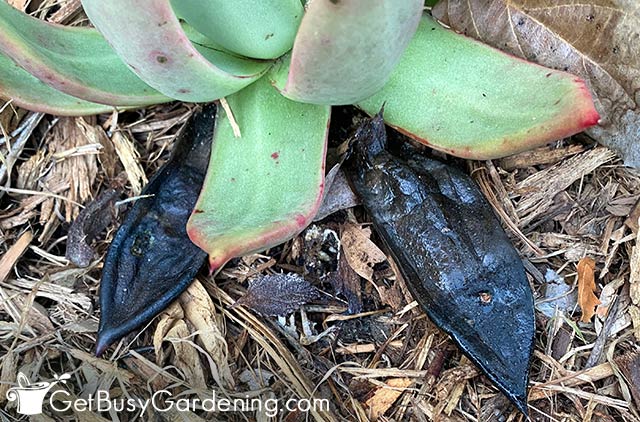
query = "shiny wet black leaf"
{"x": 455, "y": 257}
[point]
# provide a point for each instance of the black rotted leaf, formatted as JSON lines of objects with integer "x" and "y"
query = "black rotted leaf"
{"x": 278, "y": 294}
{"x": 151, "y": 259}
{"x": 92, "y": 220}
{"x": 454, "y": 255}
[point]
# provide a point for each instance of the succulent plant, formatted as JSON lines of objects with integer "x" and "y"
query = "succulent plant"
{"x": 281, "y": 64}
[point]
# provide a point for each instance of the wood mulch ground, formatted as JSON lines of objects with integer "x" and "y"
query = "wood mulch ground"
{"x": 384, "y": 360}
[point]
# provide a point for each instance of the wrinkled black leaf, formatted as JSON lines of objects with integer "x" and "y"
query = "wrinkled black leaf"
{"x": 151, "y": 259}
{"x": 455, "y": 257}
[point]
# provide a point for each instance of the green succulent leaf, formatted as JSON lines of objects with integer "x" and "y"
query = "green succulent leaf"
{"x": 76, "y": 61}
{"x": 27, "y": 91}
{"x": 149, "y": 38}
{"x": 468, "y": 99}
{"x": 264, "y": 187}
{"x": 262, "y": 29}
{"x": 345, "y": 50}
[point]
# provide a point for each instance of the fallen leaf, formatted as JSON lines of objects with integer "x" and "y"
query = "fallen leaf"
{"x": 346, "y": 282}
{"x": 168, "y": 318}
{"x": 200, "y": 311}
{"x": 557, "y": 295}
{"x": 586, "y": 288}
{"x": 278, "y": 294}
{"x": 186, "y": 357}
{"x": 92, "y": 220}
{"x": 339, "y": 196}
{"x": 385, "y": 396}
{"x": 629, "y": 364}
{"x": 361, "y": 253}
{"x": 597, "y": 40}
{"x": 632, "y": 218}
{"x": 7, "y": 374}
{"x": 608, "y": 294}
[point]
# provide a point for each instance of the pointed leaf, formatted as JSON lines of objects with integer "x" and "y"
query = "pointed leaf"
{"x": 266, "y": 186}
{"x": 468, "y": 99}
{"x": 151, "y": 260}
{"x": 586, "y": 288}
{"x": 456, "y": 259}
{"x": 73, "y": 60}
{"x": 345, "y": 50}
{"x": 147, "y": 35}
{"x": 262, "y": 29}
{"x": 27, "y": 91}
{"x": 597, "y": 40}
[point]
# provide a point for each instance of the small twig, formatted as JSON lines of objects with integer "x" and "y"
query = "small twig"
{"x": 232, "y": 119}
{"x": 133, "y": 198}
{"x": 36, "y": 193}
{"x": 28, "y": 126}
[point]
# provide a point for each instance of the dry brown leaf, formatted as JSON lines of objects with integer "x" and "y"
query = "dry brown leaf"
{"x": 538, "y": 191}
{"x": 91, "y": 221}
{"x": 278, "y": 294}
{"x": 629, "y": 364}
{"x": 598, "y": 40}
{"x": 361, "y": 253}
{"x": 200, "y": 311}
{"x": 9, "y": 258}
{"x": 632, "y": 218}
{"x": 384, "y": 397}
{"x": 607, "y": 295}
{"x": 338, "y": 196}
{"x": 346, "y": 282}
{"x": 30, "y": 171}
{"x": 186, "y": 357}
{"x": 586, "y": 288}
{"x": 634, "y": 276}
{"x": 167, "y": 319}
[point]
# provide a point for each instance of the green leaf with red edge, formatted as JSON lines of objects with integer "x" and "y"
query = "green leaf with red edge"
{"x": 76, "y": 61}
{"x": 264, "y": 187}
{"x": 345, "y": 50}
{"x": 262, "y": 29}
{"x": 465, "y": 98}
{"x": 27, "y": 91}
{"x": 147, "y": 35}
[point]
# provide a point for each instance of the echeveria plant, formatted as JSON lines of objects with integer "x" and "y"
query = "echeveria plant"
{"x": 281, "y": 64}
